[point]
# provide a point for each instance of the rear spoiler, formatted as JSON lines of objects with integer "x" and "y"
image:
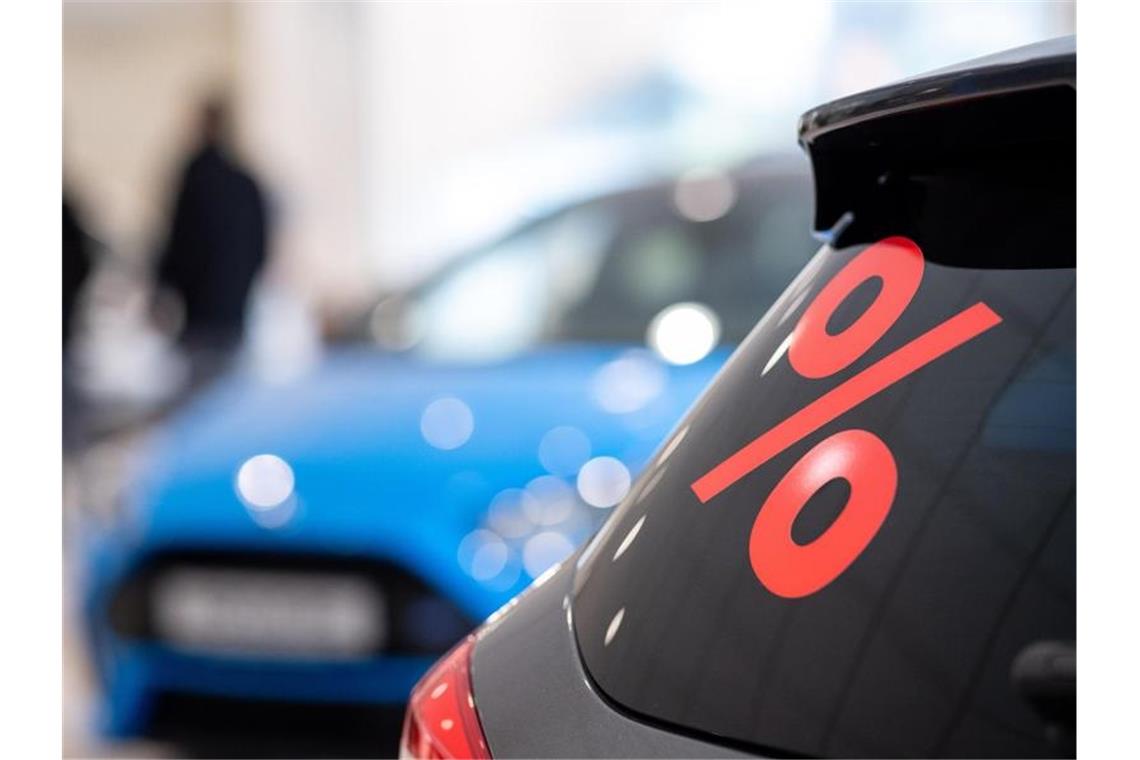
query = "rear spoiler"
{"x": 1017, "y": 98}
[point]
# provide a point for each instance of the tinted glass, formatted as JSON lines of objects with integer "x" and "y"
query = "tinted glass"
{"x": 860, "y": 536}
{"x": 602, "y": 271}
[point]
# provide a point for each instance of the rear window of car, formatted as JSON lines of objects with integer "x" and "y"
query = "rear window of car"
{"x": 862, "y": 536}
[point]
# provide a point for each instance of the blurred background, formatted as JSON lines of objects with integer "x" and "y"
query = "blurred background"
{"x": 372, "y": 311}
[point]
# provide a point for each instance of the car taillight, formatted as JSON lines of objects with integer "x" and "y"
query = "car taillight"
{"x": 441, "y": 721}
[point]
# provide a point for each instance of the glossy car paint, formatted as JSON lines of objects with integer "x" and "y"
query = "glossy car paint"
{"x": 535, "y": 699}
{"x": 534, "y": 695}
{"x": 367, "y": 485}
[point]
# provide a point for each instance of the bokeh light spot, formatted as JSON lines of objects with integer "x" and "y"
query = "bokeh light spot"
{"x": 483, "y": 555}
{"x": 684, "y": 333}
{"x": 563, "y": 450}
{"x": 265, "y": 481}
{"x": 447, "y": 423}
{"x": 551, "y": 500}
{"x": 628, "y": 383}
{"x": 603, "y": 482}
{"x": 702, "y": 195}
{"x": 544, "y": 550}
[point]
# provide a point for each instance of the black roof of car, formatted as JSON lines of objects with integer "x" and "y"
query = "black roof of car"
{"x": 1041, "y": 64}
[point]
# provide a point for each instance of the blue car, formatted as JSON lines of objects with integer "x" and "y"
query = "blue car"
{"x": 321, "y": 540}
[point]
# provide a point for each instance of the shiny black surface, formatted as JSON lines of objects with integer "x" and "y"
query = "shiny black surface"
{"x": 908, "y": 652}
{"x": 534, "y": 699}
{"x": 913, "y": 650}
{"x": 979, "y": 138}
{"x": 405, "y": 596}
{"x": 1038, "y": 65}
{"x": 953, "y": 633}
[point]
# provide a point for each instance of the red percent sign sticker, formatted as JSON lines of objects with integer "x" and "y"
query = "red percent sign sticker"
{"x": 784, "y": 567}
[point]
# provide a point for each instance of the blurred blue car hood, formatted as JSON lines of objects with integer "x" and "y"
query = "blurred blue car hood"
{"x": 367, "y": 480}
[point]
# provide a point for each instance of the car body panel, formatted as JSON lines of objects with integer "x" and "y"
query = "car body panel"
{"x": 1038, "y": 65}
{"x": 701, "y": 637}
{"x": 526, "y": 673}
{"x": 367, "y": 485}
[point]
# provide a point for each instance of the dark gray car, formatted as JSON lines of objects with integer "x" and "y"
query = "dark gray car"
{"x": 860, "y": 541}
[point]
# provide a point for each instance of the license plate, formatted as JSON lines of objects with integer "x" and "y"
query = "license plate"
{"x": 266, "y": 613}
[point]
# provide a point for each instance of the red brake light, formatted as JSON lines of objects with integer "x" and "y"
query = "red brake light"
{"x": 441, "y": 721}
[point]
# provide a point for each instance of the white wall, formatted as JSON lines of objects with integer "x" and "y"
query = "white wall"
{"x": 449, "y": 80}
{"x": 131, "y": 74}
{"x": 299, "y": 85}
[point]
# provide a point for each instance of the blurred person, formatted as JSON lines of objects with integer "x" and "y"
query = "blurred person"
{"x": 216, "y": 243}
{"x": 77, "y": 256}
{"x": 78, "y": 253}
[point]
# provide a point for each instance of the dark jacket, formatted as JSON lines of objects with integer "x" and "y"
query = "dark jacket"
{"x": 77, "y": 255}
{"x": 217, "y": 245}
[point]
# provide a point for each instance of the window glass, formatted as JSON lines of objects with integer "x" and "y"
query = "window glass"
{"x": 862, "y": 536}
{"x": 604, "y": 270}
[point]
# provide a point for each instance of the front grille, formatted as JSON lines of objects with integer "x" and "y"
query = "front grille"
{"x": 418, "y": 620}
{"x": 212, "y": 726}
